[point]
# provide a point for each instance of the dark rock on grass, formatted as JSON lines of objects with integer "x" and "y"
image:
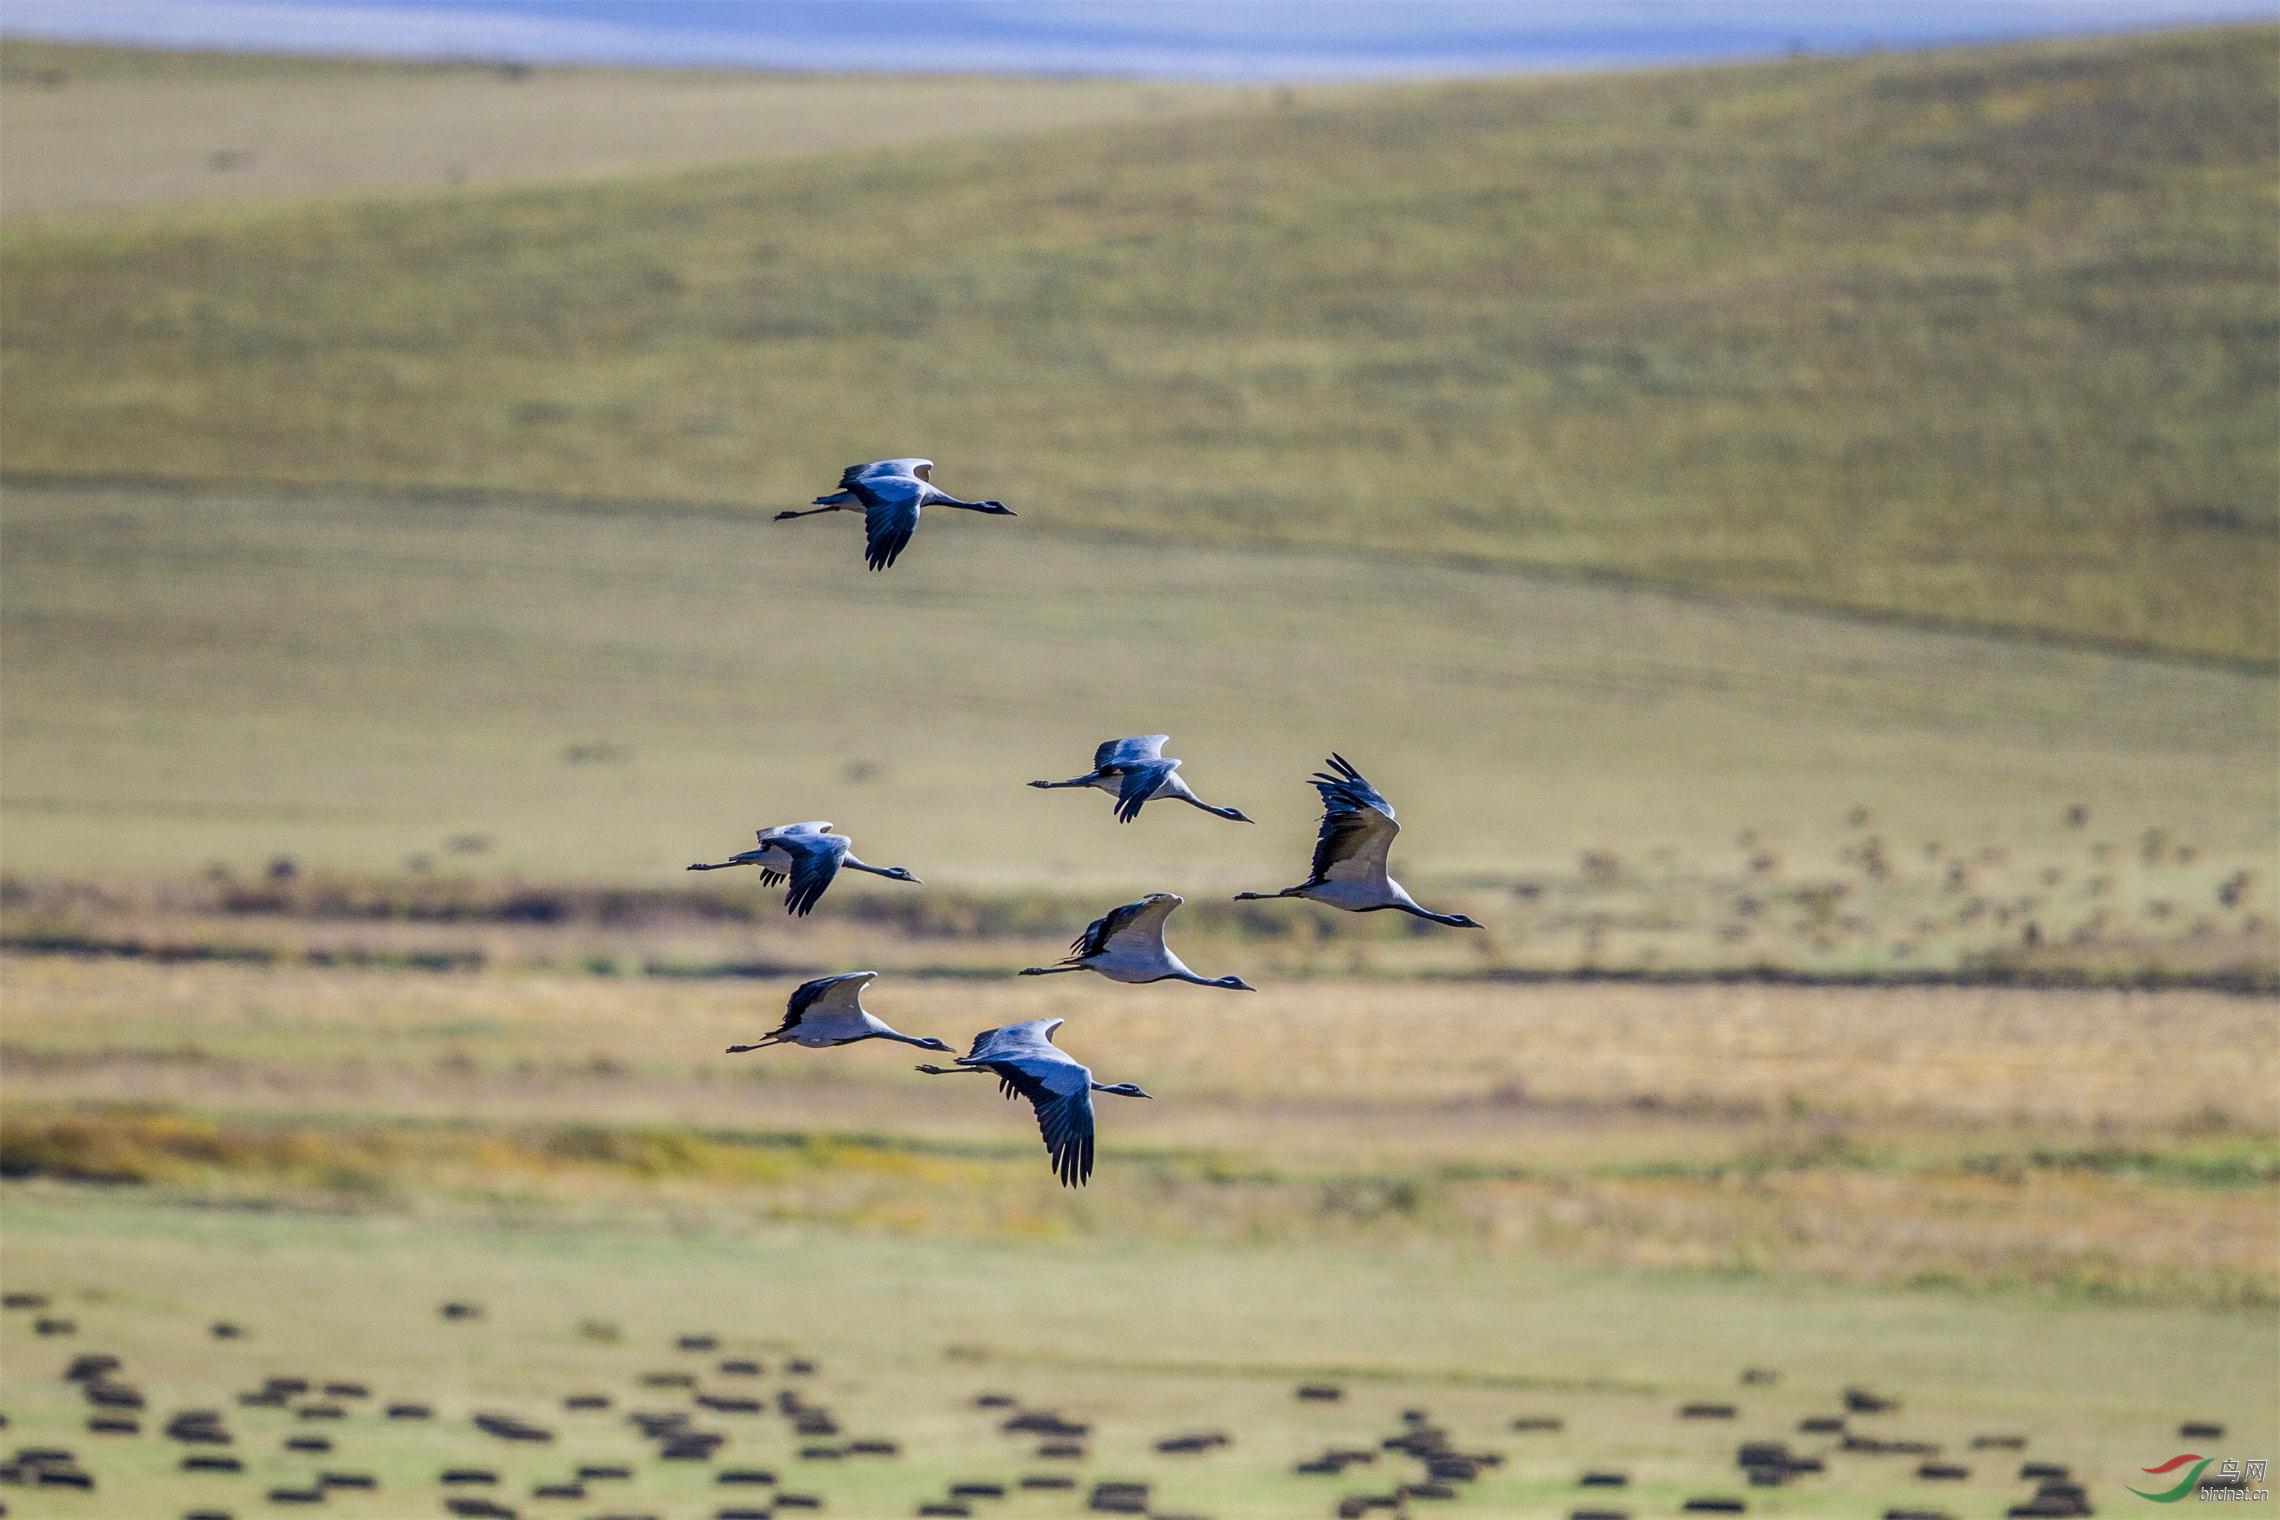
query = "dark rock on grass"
{"x": 1599, "y": 1514}
{"x": 977, "y": 1490}
{"x": 1860, "y": 1400}
{"x": 347, "y": 1391}
{"x": 1321, "y": 1393}
{"x": 559, "y": 1491}
{"x": 940, "y": 1508}
{"x": 472, "y": 1508}
{"x": 508, "y": 1428}
{"x": 320, "y": 1412}
{"x": 105, "y": 1395}
{"x": 90, "y": 1366}
{"x": 874, "y": 1449}
{"x": 2201, "y": 1430}
{"x": 1943, "y": 1472}
{"x": 739, "y": 1367}
{"x": 744, "y": 1475}
{"x": 798, "y": 1501}
{"x": 697, "y": 1343}
{"x": 1539, "y": 1423}
{"x": 1998, "y": 1443}
{"x": 223, "y": 1330}
{"x": 205, "y": 1462}
{"x": 1604, "y": 1480}
{"x": 1049, "y": 1482}
{"x": 798, "y": 1366}
{"x": 1714, "y": 1505}
{"x": 725, "y": 1404}
{"x": 410, "y": 1412}
{"x": 23, "y": 1300}
{"x": 296, "y": 1496}
{"x": 347, "y": 1480}
{"x": 1760, "y": 1377}
{"x": 113, "y": 1425}
{"x": 1706, "y": 1411}
{"x": 741, "y": 1514}
{"x": 1917, "y": 1514}
{"x": 2032, "y": 1471}
{"x": 1193, "y": 1442}
{"x": 668, "y": 1380}
{"x": 308, "y": 1443}
{"x": 1061, "y": 1451}
{"x": 206, "y": 1514}
{"x": 55, "y": 1327}
{"x": 65, "y": 1477}
{"x": 462, "y": 1475}
{"x": 1821, "y": 1425}
{"x": 587, "y": 1401}
{"x": 604, "y": 1472}
{"x": 994, "y": 1401}
{"x": 461, "y": 1311}
{"x": 820, "y": 1454}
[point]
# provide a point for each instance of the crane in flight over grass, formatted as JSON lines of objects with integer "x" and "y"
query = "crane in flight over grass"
{"x": 1349, "y": 852}
{"x": 1028, "y": 1064}
{"x": 1135, "y": 772}
{"x": 829, "y": 1011}
{"x": 810, "y": 855}
{"x": 890, "y": 494}
{"x": 1127, "y": 945}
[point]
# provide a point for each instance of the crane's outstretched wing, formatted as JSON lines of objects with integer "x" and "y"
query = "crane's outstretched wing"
{"x": 1132, "y": 751}
{"x": 1357, "y": 825}
{"x": 1140, "y": 923}
{"x": 812, "y": 826}
{"x": 922, "y": 469}
{"x": 1140, "y": 783}
{"x": 888, "y": 523}
{"x": 1060, "y": 1091}
{"x": 827, "y": 995}
{"x": 815, "y": 860}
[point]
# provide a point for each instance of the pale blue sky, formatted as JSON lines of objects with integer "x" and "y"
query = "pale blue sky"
{"x": 1232, "y": 39}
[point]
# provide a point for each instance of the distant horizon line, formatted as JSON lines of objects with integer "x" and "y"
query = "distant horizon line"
{"x": 1028, "y": 39}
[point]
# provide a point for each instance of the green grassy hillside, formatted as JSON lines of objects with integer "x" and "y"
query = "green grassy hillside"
{"x": 1983, "y": 335}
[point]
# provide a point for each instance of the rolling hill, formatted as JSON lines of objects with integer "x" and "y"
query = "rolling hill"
{"x": 1978, "y": 337}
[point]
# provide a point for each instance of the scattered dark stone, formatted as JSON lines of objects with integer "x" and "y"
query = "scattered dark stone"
{"x": 90, "y": 1367}
{"x": 739, "y": 1367}
{"x": 23, "y": 1300}
{"x": 1943, "y": 1472}
{"x": 1998, "y": 1443}
{"x": 1706, "y": 1412}
{"x": 467, "y": 1475}
{"x": 1822, "y": 1425}
{"x": 2201, "y": 1430}
{"x": 977, "y": 1490}
{"x": 287, "y": 1386}
{"x": 262, "y": 1400}
{"x": 697, "y": 1343}
{"x": 1428, "y": 1491}
{"x": 939, "y": 1508}
{"x": 740, "y": 1514}
{"x": 206, "y": 1462}
{"x": 410, "y": 1412}
{"x": 1714, "y": 1506}
{"x": 2035, "y": 1470}
{"x": 507, "y": 1428}
{"x": 347, "y": 1480}
{"x": 113, "y": 1396}
{"x": 668, "y": 1380}
{"x": 874, "y": 1448}
{"x": 296, "y": 1496}
{"x": 308, "y": 1443}
{"x": 1193, "y": 1442}
{"x": 320, "y": 1412}
{"x": 1917, "y": 1514}
{"x": 473, "y": 1508}
{"x": 1760, "y": 1376}
{"x": 1061, "y": 1451}
{"x": 798, "y": 1367}
{"x": 114, "y": 1425}
{"x": 727, "y": 1405}
{"x": 596, "y": 1473}
{"x": 1861, "y": 1401}
{"x": 458, "y": 1311}
{"x": 744, "y": 1475}
{"x": 1529, "y": 1422}
{"x": 798, "y": 1501}
{"x": 206, "y": 1514}
{"x": 347, "y": 1391}
{"x": 1599, "y": 1514}
{"x": 559, "y": 1491}
{"x": 223, "y": 1330}
{"x": 1603, "y": 1480}
{"x": 587, "y": 1401}
{"x": 55, "y": 1327}
{"x": 1048, "y": 1481}
{"x": 994, "y": 1401}
{"x": 820, "y": 1454}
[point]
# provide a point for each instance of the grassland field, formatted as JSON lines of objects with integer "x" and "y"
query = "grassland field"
{"x": 1976, "y": 337}
{"x": 1796, "y": 542}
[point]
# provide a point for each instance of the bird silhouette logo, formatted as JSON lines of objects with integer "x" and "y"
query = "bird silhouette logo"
{"x": 2191, "y": 1480}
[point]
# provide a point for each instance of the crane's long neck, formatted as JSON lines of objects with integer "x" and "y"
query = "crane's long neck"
{"x": 851, "y": 863}
{"x": 1453, "y": 920}
{"x": 896, "y": 1034}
